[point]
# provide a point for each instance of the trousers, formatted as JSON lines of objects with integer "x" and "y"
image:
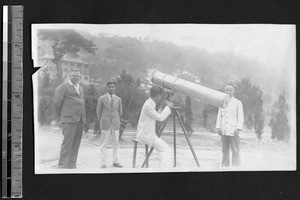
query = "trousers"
{"x": 233, "y": 142}
{"x": 165, "y": 155}
{"x": 72, "y": 133}
{"x": 104, "y": 140}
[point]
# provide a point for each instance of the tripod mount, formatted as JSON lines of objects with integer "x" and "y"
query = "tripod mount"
{"x": 173, "y": 115}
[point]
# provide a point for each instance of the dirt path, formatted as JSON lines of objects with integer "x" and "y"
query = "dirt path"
{"x": 207, "y": 146}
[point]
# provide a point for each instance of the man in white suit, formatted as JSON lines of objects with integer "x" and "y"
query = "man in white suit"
{"x": 146, "y": 127}
{"x": 229, "y": 124}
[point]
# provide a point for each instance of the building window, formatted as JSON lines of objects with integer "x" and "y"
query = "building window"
{"x": 86, "y": 78}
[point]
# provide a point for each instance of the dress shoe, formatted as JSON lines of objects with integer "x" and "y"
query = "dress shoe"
{"x": 103, "y": 166}
{"x": 117, "y": 165}
{"x": 72, "y": 167}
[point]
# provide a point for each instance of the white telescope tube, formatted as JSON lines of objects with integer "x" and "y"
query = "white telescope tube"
{"x": 193, "y": 90}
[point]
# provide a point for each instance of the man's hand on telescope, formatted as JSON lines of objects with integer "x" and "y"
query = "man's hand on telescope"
{"x": 170, "y": 105}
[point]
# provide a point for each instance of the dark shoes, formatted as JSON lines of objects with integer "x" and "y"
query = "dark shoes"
{"x": 117, "y": 165}
{"x": 114, "y": 165}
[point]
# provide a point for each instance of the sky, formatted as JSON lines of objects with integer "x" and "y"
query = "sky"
{"x": 265, "y": 43}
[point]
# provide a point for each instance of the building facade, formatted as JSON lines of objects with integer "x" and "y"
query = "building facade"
{"x": 84, "y": 68}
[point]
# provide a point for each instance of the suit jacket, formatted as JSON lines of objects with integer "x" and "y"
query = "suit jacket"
{"x": 231, "y": 118}
{"x": 109, "y": 116}
{"x": 68, "y": 105}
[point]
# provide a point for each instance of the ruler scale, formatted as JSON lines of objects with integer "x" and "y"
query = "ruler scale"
{"x": 12, "y": 153}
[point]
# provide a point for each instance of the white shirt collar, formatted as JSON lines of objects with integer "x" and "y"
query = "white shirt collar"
{"x": 113, "y": 95}
{"x": 73, "y": 84}
{"x": 76, "y": 86}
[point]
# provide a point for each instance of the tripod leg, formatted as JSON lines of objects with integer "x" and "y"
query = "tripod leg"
{"x": 189, "y": 143}
{"x": 174, "y": 136}
{"x": 158, "y": 134}
{"x": 147, "y": 157}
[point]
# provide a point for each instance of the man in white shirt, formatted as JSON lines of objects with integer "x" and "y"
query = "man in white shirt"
{"x": 229, "y": 124}
{"x": 146, "y": 127}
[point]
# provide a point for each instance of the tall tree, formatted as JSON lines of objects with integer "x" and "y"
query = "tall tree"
{"x": 251, "y": 96}
{"x": 90, "y": 106}
{"x": 279, "y": 122}
{"x": 63, "y": 42}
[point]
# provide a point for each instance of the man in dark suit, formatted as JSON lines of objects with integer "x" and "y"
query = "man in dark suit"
{"x": 109, "y": 110}
{"x": 69, "y": 110}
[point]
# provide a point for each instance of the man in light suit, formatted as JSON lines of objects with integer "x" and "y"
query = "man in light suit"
{"x": 109, "y": 110}
{"x": 229, "y": 124}
{"x": 69, "y": 110}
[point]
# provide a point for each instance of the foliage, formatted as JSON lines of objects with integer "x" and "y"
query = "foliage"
{"x": 65, "y": 42}
{"x": 251, "y": 97}
{"x": 90, "y": 98}
{"x": 209, "y": 116}
{"x": 45, "y": 110}
{"x": 126, "y": 90}
{"x": 279, "y": 122}
{"x": 45, "y": 100}
{"x": 188, "y": 116}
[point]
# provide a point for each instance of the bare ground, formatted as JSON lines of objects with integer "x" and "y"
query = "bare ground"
{"x": 264, "y": 155}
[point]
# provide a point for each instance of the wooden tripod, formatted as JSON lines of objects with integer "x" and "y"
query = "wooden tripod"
{"x": 174, "y": 115}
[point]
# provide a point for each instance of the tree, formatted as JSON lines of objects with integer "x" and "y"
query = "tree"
{"x": 65, "y": 42}
{"x": 90, "y": 107}
{"x": 251, "y": 97}
{"x": 125, "y": 53}
{"x": 279, "y": 122}
{"x": 125, "y": 90}
{"x": 209, "y": 116}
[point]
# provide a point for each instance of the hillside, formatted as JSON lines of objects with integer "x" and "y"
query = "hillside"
{"x": 115, "y": 54}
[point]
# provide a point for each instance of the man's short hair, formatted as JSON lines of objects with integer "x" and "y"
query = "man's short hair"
{"x": 111, "y": 82}
{"x": 154, "y": 91}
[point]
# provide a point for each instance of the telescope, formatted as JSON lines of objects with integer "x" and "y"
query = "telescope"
{"x": 196, "y": 91}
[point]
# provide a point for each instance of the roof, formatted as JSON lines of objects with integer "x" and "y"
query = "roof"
{"x": 68, "y": 59}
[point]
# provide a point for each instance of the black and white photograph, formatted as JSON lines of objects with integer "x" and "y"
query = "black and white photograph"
{"x": 163, "y": 98}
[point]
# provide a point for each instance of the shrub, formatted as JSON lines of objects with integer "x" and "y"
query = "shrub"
{"x": 279, "y": 122}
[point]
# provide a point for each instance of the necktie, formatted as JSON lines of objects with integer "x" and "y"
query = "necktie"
{"x": 111, "y": 101}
